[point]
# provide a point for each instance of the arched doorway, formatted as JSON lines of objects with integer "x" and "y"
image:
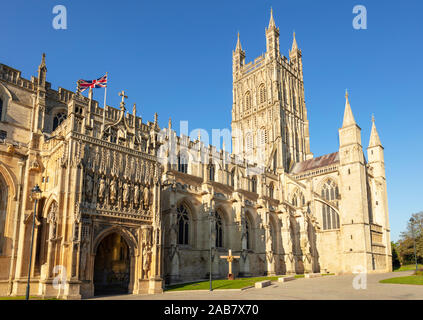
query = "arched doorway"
{"x": 112, "y": 266}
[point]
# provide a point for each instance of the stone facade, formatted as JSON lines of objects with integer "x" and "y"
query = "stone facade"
{"x": 126, "y": 205}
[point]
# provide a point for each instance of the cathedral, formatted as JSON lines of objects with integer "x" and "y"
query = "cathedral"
{"x": 125, "y": 206}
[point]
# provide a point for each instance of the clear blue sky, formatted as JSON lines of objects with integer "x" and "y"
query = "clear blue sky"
{"x": 175, "y": 58}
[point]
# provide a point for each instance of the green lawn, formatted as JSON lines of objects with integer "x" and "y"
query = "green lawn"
{"x": 408, "y": 267}
{"x": 405, "y": 280}
{"x": 220, "y": 284}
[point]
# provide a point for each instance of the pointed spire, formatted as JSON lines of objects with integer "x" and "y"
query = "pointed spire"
{"x": 170, "y": 123}
{"x": 374, "y": 136}
{"x": 294, "y": 44}
{"x": 43, "y": 61}
{"x": 238, "y": 45}
{"x": 272, "y": 21}
{"x": 348, "y": 115}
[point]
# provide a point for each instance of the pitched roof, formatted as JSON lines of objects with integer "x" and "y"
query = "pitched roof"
{"x": 311, "y": 164}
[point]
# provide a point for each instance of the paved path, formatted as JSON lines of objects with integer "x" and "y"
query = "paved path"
{"x": 328, "y": 288}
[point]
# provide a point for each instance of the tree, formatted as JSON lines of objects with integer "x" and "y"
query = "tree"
{"x": 405, "y": 247}
{"x": 396, "y": 264}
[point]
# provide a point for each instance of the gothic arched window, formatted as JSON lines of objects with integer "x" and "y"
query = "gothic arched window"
{"x": 294, "y": 200}
{"x": 254, "y": 184}
{"x": 247, "y": 100}
{"x": 247, "y": 232}
{"x": 1, "y": 109}
{"x": 183, "y": 224}
{"x": 330, "y": 217}
{"x": 233, "y": 177}
{"x": 272, "y": 234}
{"x": 271, "y": 191}
{"x": 58, "y": 119}
{"x": 219, "y": 230}
{"x": 3, "y": 211}
{"x": 249, "y": 142}
{"x": 211, "y": 172}
{"x": 182, "y": 163}
{"x": 262, "y": 93}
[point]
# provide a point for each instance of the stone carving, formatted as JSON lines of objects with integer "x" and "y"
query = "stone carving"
{"x": 136, "y": 195}
{"x": 125, "y": 194}
{"x": 52, "y": 221}
{"x": 146, "y": 198}
{"x": 88, "y": 187}
{"x": 113, "y": 191}
{"x": 146, "y": 257}
{"x": 101, "y": 189}
{"x": 83, "y": 259}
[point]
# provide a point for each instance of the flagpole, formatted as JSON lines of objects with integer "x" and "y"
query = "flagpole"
{"x": 104, "y": 111}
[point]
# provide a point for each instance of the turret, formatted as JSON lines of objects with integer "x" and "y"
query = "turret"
{"x": 376, "y": 163}
{"x": 295, "y": 56}
{"x": 272, "y": 39}
{"x": 354, "y": 216}
{"x": 238, "y": 58}
{"x": 375, "y": 153}
{"x": 40, "y": 105}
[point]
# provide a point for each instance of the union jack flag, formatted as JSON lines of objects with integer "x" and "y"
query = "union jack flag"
{"x": 98, "y": 83}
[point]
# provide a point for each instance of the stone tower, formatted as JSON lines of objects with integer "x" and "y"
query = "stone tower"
{"x": 269, "y": 116}
{"x": 355, "y": 227}
{"x": 379, "y": 202}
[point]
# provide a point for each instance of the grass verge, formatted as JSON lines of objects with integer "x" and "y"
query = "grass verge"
{"x": 417, "y": 280}
{"x": 219, "y": 284}
{"x": 408, "y": 267}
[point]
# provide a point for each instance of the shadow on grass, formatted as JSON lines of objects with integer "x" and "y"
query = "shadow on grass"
{"x": 220, "y": 284}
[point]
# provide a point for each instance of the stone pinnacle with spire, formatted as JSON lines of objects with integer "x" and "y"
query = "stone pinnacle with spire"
{"x": 238, "y": 47}
{"x": 294, "y": 43}
{"x": 374, "y": 136}
{"x": 348, "y": 115}
{"x": 272, "y": 21}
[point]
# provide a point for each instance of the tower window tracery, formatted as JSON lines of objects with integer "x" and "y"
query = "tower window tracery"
{"x": 330, "y": 217}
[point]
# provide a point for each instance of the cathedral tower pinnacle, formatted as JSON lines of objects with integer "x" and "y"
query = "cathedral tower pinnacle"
{"x": 272, "y": 39}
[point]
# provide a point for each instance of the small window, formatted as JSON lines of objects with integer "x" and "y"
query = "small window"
{"x": 58, "y": 119}
{"x": 182, "y": 163}
{"x": 262, "y": 93}
{"x": 247, "y": 100}
{"x": 219, "y": 230}
{"x": 247, "y": 233}
{"x": 211, "y": 172}
{"x": 254, "y": 184}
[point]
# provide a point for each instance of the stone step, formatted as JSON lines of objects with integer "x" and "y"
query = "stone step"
{"x": 285, "y": 279}
{"x": 312, "y": 275}
{"x": 262, "y": 284}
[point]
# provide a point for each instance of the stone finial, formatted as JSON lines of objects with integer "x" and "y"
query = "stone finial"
{"x": 348, "y": 115}
{"x": 272, "y": 21}
{"x": 170, "y": 123}
{"x": 122, "y": 103}
{"x": 294, "y": 43}
{"x": 374, "y": 136}
{"x": 238, "y": 45}
{"x": 155, "y": 118}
